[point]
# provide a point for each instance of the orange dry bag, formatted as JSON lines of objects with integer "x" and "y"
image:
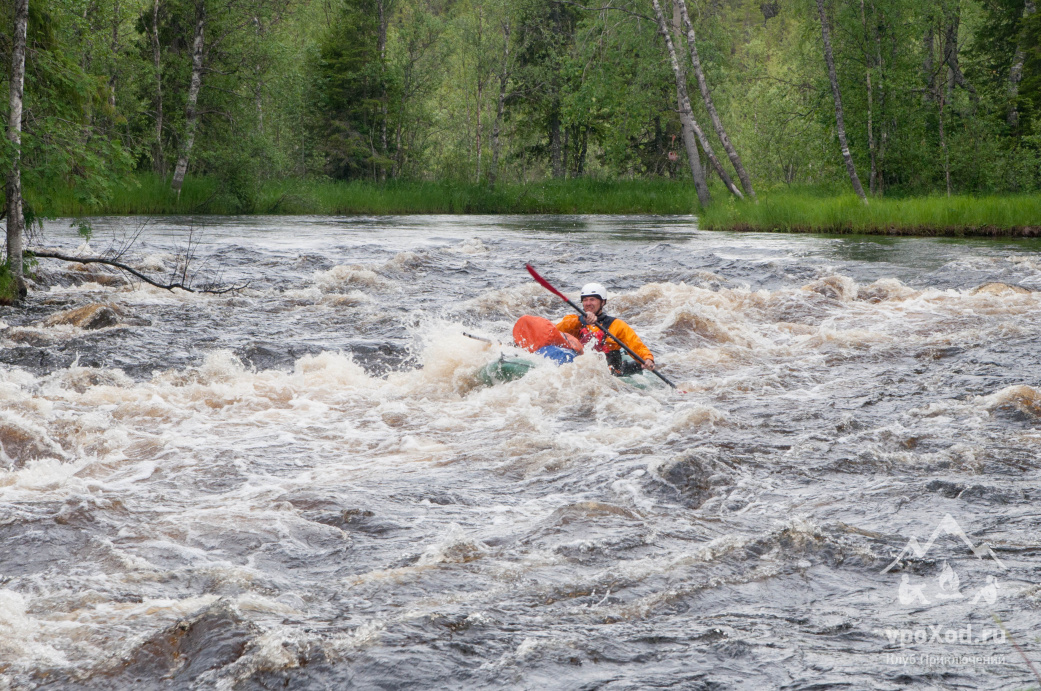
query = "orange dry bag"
{"x": 532, "y": 333}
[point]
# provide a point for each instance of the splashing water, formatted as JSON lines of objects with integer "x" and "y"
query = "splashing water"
{"x": 304, "y": 484}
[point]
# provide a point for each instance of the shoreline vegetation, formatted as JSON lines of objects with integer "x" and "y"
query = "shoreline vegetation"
{"x": 792, "y": 209}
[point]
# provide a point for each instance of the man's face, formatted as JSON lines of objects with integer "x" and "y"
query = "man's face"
{"x": 592, "y": 304}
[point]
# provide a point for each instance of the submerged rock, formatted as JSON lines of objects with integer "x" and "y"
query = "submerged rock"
{"x": 999, "y": 289}
{"x": 834, "y": 287}
{"x": 180, "y": 655}
{"x": 93, "y": 316}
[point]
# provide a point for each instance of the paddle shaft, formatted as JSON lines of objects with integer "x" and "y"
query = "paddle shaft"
{"x": 481, "y": 338}
{"x": 545, "y": 284}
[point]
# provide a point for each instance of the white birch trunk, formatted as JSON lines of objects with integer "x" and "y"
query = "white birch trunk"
{"x": 686, "y": 116}
{"x": 710, "y": 106}
{"x": 493, "y": 170}
{"x": 382, "y": 8}
{"x": 840, "y": 122}
{"x": 159, "y": 163}
{"x": 1015, "y": 75}
{"x": 870, "y": 98}
{"x": 191, "y": 110}
{"x": 15, "y": 218}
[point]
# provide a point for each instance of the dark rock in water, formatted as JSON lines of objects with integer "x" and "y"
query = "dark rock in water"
{"x": 22, "y": 443}
{"x": 329, "y": 510}
{"x": 93, "y": 316}
{"x": 987, "y": 495}
{"x": 951, "y": 490}
{"x": 73, "y": 274}
{"x": 833, "y": 287}
{"x": 263, "y": 357}
{"x": 28, "y": 338}
{"x": 180, "y": 654}
{"x": 692, "y": 477}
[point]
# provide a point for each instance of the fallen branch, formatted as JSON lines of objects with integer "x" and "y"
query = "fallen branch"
{"x": 120, "y": 265}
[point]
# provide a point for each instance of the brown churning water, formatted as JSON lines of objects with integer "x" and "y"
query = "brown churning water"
{"x": 304, "y": 485}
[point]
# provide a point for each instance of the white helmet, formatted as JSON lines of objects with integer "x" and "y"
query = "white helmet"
{"x": 594, "y": 290}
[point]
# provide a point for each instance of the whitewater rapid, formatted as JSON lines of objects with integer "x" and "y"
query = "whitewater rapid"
{"x": 303, "y": 484}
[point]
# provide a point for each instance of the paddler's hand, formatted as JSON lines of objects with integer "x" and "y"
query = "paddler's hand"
{"x": 591, "y": 319}
{"x": 648, "y": 364}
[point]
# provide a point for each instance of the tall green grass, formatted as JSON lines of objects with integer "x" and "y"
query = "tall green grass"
{"x": 934, "y": 215}
{"x": 149, "y": 194}
{"x": 786, "y": 210}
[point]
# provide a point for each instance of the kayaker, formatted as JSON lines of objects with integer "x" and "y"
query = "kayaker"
{"x": 590, "y": 328}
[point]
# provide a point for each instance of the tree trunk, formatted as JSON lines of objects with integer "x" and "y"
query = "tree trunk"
{"x": 114, "y": 78}
{"x": 710, "y": 153}
{"x": 952, "y": 22}
{"x": 554, "y": 143}
{"x": 15, "y": 217}
{"x": 880, "y": 177}
{"x": 840, "y": 122}
{"x": 1015, "y": 75}
{"x": 480, "y": 97}
{"x": 381, "y": 6}
{"x": 493, "y": 171}
{"x": 258, "y": 79}
{"x": 580, "y": 167}
{"x": 681, "y": 85}
{"x": 159, "y": 160}
{"x": 258, "y": 99}
{"x": 869, "y": 59}
{"x": 940, "y": 98}
{"x": 710, "y": 106}
{"x": 564, "y": 151}
{"x": 480, "y": 88}
{"x": 686, "y": 116}
{"x": 399, "y": 153}
{"x": 191, "y": 110}
{"x": 928, "y": 72}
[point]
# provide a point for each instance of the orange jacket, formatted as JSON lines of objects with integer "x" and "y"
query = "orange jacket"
{"x": 619, "y": 329}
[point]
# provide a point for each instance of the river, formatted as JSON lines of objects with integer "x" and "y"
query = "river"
{"x": 301, "y": 484}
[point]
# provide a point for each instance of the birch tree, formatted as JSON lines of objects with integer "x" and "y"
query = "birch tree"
{"x": 686, "y": 116}
{"x": 840, "y": 122}
{"x": 191, "y": 107}
{"x": 15, "y": 217}
{"x": 1015, "y": 75}
{"x": 223, "y": 33}
{"x": 710, "y": 106}
{"x": 158, "y": 155}
{"x": 505, "y": 65}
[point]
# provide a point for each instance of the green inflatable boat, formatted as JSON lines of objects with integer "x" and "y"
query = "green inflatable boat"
{"x": 507, "y": 369}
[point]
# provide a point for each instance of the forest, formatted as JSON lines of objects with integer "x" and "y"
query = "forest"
{"x": 256, "y": 106}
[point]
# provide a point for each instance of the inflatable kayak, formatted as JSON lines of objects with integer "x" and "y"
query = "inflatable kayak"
{"x": 507, "y": 369}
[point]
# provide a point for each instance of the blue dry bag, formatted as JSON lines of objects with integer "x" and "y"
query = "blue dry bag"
{"x": 557, "y": 354}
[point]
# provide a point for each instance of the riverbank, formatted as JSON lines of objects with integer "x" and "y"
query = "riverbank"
{"x": 781, "y": 210}
{"x": 940, "y": 216}
{"x": 149, "y": 195}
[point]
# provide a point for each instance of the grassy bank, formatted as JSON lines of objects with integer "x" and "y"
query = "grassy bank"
{"x": 148, "y": 194}
{"x": 784, "y": 210}
{"x": 1013, "y": 215}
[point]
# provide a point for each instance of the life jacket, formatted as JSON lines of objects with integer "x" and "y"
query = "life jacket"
{"x": 534, "y": 333}
{"x": 600, "y": 335}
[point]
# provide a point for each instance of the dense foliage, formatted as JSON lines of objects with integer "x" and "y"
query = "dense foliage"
{"x": 941, "y": 96}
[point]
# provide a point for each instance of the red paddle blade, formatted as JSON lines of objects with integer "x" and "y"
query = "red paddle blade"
{"x": 544, "y": 283}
